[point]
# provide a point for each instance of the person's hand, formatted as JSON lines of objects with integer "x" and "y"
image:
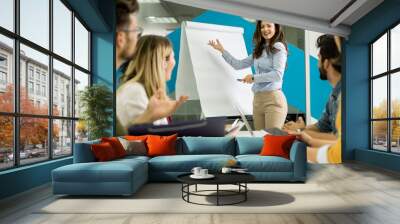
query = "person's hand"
{"x": 216, "y": 45}
{"x": 248, "y": 79}
{"x": 294, "y": 126}
{"x": 160, "y": 105}
{"x": 302, "y": 136}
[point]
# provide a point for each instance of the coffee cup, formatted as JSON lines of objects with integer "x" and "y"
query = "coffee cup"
{"x": 226, "y": 170}
{"x": 203, "y": 172}
{"x": 196, "y": 171}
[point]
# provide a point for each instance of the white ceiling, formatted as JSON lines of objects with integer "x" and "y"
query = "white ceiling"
{"x": 165, "y": 9}
{"x": 325, "y": 16}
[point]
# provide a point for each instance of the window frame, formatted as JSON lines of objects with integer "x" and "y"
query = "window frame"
{"x": 16, "y": 114}
{"x": 388, "y": 74}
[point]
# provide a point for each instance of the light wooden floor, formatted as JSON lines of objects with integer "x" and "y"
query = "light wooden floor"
{"x": 378, "y": 188}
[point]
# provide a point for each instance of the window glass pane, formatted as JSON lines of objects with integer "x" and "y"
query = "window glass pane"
{"x": 35, "y": 21}
{"x": 6, "y": 142}
{"x": 81, "y": 131}
{"x": 62, "y": 29}
{"x": 379, "y": 56}
{"x": 395, "y": 47}
{"x": 81, "y": 81}
{"x": 379, "y": 135}
{"x": 62, "y": 89}
{"x": 34, "y": 72}
{"x": 379, "y": 97}
{"x": 81, "y": 45}
{"x": 395, "y": 138}
{"x": 62, "y": 138}
{"x": 33, "y": 139}
{"x": 395, "y": 94}
{"x": 6, "y": 74}
{"x": 7, "y": 14}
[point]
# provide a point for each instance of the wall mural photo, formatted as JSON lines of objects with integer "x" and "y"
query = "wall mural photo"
{"x": 220, "y": 65}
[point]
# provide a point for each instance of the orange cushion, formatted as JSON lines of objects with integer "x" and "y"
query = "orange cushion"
{"x": 103, "y": 152}
{"x": 161, "y": 145}
{"x": 136, "y": 138}
{"x": 277, "y": 145}
{"x": 116, "y": 145}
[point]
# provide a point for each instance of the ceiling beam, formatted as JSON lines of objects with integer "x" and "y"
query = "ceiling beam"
{"x": 346, "y": 12}
{"x": 273, "y": 15}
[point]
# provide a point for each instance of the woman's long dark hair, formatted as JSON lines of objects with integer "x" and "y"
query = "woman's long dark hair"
{"x": 259, "y": 41}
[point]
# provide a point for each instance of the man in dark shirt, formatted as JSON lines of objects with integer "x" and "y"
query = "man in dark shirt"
{"x": 329, "y": 65}
{"x": 327, "y": 121}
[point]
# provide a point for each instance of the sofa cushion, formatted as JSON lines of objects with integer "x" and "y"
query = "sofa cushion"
{"x": 161, "y": 145}
{"x": 136, "y": 137}
{"x": 83, "y": 152}
{"x": 185, "y": 163}
{"x": 206, "y": 145}
{"x": 257, "y": 163}
{"x": 133, "y": 157}
{"x": 112, "y": 171}
{"x": 277, "y": 145}
{"x": 103, "y": 152}
{"x": 249, "y": 145}
{"x": 116, "y": 145}
{"x": 134, "y": 147}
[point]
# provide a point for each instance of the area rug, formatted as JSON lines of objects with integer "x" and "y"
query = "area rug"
{"x": 167, "y": 198}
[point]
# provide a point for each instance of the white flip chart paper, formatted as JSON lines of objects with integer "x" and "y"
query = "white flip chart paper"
{"x": 204, "y": 75}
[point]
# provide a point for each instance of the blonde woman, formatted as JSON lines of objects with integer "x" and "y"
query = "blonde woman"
{"x": 141, "y": 96}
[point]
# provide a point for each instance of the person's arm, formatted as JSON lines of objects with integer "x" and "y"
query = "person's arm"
{"x": 159, "y": 106}
{"x": 278, "y": 66}
{"x": 321, "y": 135}
{"x": 313, "y": 142}
{"x": 235, "y": 63}
{"x": 312, "y": 128}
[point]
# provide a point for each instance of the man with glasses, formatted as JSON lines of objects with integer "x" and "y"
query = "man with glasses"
{"x": 127, "y": 34}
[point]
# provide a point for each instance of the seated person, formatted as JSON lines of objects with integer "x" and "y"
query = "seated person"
{"x": 322, "y": 150}
{"x": 141, "y": 96}
{"x": 324, "y": 133}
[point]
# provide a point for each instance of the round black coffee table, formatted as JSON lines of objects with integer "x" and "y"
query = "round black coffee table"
{"x": 238, "y": 179}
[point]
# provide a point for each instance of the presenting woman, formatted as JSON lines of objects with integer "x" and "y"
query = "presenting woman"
{"x": 269, "y": 59}
{"x": 141, "y": 97}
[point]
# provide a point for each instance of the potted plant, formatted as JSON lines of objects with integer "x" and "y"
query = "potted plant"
{"x": 96, "y": 110}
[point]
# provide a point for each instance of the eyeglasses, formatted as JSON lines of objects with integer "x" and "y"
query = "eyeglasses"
{"x": 138, "y": 30}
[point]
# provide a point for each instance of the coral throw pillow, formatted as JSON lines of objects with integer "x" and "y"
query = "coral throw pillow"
{"x": 161, "y": 145}
{"x": 116, "y": 145}
{"x": 136, "y": 138}
{"x": 103, "y": 152}
{"x": 275, "y": 145}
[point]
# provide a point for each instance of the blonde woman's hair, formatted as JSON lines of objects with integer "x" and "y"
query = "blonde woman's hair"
{"x": 147, "y": 66}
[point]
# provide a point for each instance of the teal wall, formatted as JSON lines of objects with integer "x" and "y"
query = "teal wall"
{"x": 24, "y": 178}
{"x": 93, "y": 13}
{"x": 356, "y": 89}
{"x": 294, "y": 77}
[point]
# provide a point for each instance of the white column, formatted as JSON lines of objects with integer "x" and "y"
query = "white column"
{"x": 307, "y": 73}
